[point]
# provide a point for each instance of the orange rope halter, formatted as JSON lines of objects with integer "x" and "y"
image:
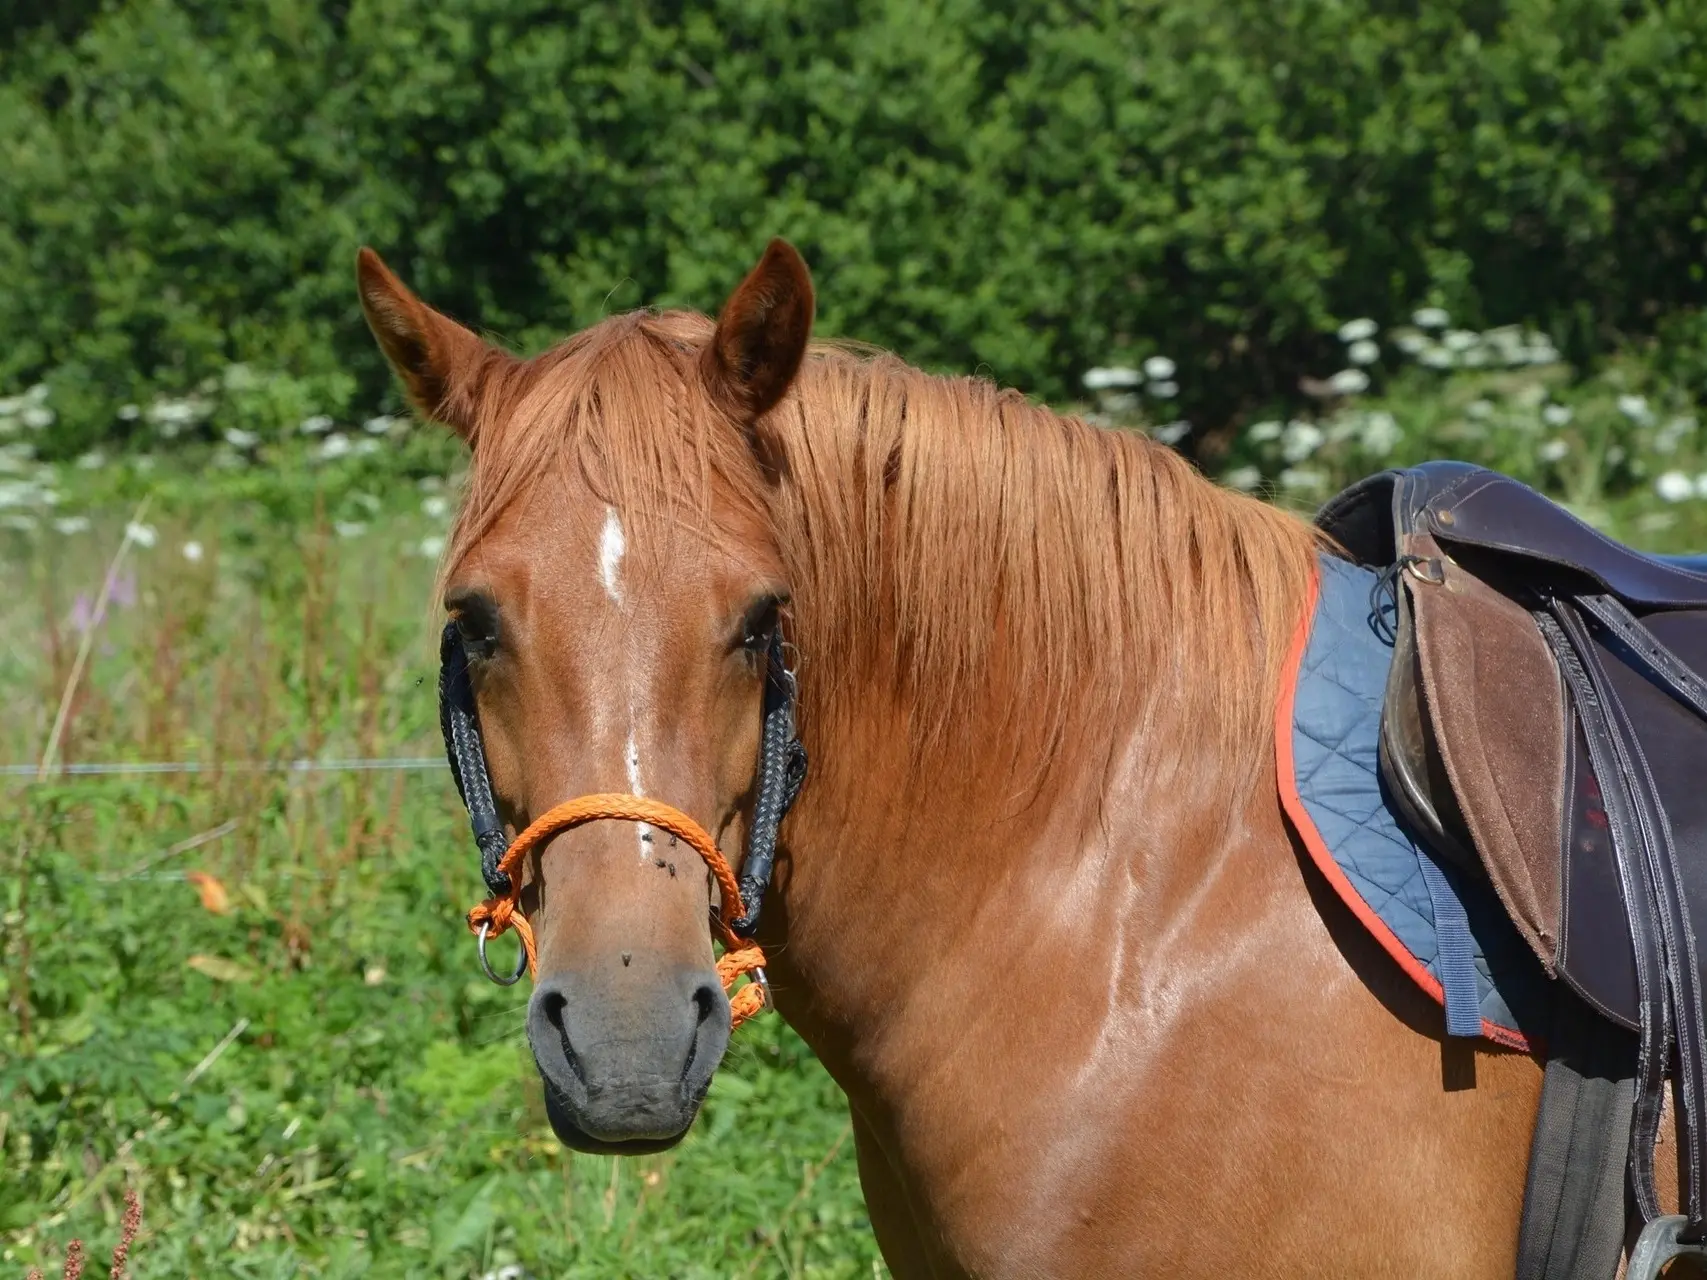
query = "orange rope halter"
{"x": 740, "y": 955}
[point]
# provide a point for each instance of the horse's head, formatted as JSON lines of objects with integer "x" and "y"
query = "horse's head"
{"x": 615, "y": 583}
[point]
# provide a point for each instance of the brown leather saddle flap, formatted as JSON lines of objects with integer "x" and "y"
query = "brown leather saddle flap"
{"x": 1490, "y": 708}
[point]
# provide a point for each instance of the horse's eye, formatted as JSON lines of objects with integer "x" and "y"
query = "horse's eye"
{"x": 758, "y": 623}
{"x": 476, "y": 618}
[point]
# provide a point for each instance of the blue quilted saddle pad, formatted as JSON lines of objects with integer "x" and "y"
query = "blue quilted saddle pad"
{"x": 1444, "y": 928}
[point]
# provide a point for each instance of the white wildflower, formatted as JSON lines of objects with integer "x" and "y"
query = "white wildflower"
{"x": 1358, "y": 330}
{"x": 1557, "y": 415}
{"x": 1243, "y": 478}
{"x": 1411, "y": 342}
{"x": 335, "y": 445}
{"x": 1479, "y": 409}
{"x": 1635, "y": 408}
{"x": 1263, "y": 432}
{"x": 1668, "y": 437}
{"x": 378, "y": 426}
{"x": 1345, "y": 426}
{"x": 1381, "y": 434}
{"x": 1101, "y": 379}
{"x": 319, "y": 424}
{"x": 1159, "y": 368}
{"x": 1506, "y": 338}
{"x": 1363, "y": 351}
{"x": 69, "y": 525}
{"x": 1531, "y": 396}
{"x": 142, "y": 535}
{"x": 1300, "y": 440}
{"x": 129, "y": 413}
{"x": 174, "y": 412}
{"x": 94, "y": 460}
{"x": 1430, "y": 318}
{"x": 1173, "y": 432}
{"x": 37, "y": 394}
{"x": 349, "y": 528}
{"x": 1461, "y": 339}
{"x": 1301, "y": 478}
{"x": 1437, "y": 358}
{"x": 36, "y": 416}
{"x": 366, "y": 447}
{"x": 1164, "y": 390}
{"x": 1554, "y": 450}
{"x": 431, "y": 546}
{"x": 1349, "y": 382}
{"x": 19, "y": 493}
{"x": 237, "y": 438}
{"x": 1674, "y": 486}
{"x": 192, "y": 551}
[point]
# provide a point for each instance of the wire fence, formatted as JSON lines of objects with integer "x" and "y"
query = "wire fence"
{"x": 123, "y": 768}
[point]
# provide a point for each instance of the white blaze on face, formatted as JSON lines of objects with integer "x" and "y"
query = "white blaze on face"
{"x": 611, "y": 547}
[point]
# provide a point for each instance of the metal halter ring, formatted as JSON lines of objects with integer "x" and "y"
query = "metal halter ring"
{"x": 764, "y": 982}
{"x": 521, "y": 960}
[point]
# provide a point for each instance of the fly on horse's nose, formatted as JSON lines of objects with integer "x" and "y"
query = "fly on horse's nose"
{"x": 626, "y": 957}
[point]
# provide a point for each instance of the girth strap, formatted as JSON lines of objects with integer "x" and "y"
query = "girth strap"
{"x": 1573, "y": 1201}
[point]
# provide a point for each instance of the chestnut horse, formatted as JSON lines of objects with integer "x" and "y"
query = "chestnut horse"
{"x": 1037, "y": 909}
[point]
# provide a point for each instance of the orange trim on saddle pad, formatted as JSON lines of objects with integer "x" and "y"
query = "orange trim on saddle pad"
{"x": 1298, "y": 813}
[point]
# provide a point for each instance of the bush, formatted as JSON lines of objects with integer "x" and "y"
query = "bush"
{"x": 1023, "y": 188}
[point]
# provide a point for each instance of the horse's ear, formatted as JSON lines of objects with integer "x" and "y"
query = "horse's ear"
{"x": 761, "y": 335}
{"x": 437, "y": 359}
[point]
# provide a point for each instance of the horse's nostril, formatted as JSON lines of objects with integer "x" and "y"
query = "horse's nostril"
{"x": 553, "y": 1007}
{"x": 705, "y": 1001}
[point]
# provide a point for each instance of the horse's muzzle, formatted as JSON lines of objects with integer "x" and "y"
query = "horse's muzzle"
{"x": 626, "y": 1063}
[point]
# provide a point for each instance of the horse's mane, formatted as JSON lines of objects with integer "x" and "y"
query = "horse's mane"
{"x": 1019, "y": 583}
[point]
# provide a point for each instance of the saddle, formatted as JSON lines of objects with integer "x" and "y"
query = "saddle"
{"x": 1544, "y": 727}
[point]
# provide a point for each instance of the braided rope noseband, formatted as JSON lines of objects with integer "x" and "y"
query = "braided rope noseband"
{"x": 741, "y": 956}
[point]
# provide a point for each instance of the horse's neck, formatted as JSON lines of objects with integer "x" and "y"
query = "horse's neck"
{"x": 911, "y": 917}
{"x": 910, "y": 907}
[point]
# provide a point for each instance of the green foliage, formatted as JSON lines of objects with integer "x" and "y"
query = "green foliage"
{"x": 1025, "y": 188}
{"x": 1623, "y": 447}
{"x": 374, "y": 1111}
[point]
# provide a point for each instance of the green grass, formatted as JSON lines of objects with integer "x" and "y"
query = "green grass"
{"x": 377, "y": 1113}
